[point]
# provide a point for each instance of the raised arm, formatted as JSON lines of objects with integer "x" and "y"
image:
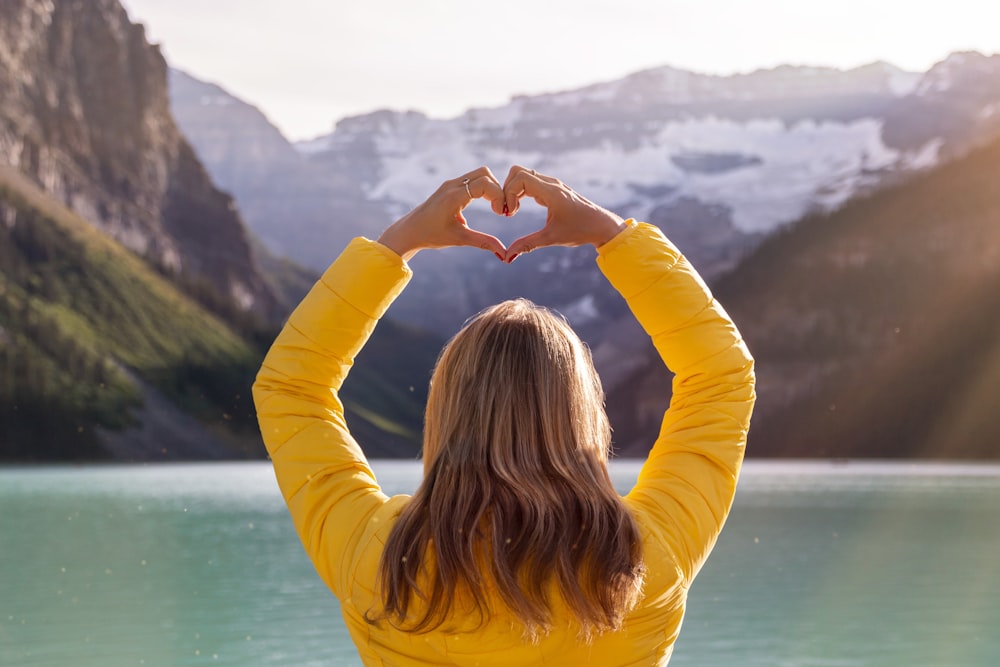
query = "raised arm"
{"x": 687, "y": 484}
{"x": 324, "y": 477}
{"x": 322, "y": 472}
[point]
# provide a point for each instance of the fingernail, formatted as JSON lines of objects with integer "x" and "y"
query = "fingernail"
{"x": 513, "y": 257}
{"x": 499, "y": 256}
{"x": 505, "y": 209}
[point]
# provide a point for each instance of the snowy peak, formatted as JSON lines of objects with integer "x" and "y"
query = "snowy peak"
{"x": 381, "y": 122}
{"x": 951, "y": 109}
{"x": 791, "y": 81}
{"x": 672, "y": 86}
{"x": 961, "y": 72}
{"x": 770, "y": 144}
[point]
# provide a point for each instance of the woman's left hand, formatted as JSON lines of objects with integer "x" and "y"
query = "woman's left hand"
{"x": 439, "y": 223}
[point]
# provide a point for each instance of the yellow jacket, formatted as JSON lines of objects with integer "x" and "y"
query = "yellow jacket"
{"x": 680, "y": 501}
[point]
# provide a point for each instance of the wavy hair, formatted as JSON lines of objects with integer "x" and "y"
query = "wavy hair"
{"x": 516, "y": 502}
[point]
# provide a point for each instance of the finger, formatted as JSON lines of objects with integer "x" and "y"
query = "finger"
{"x": 515, "y": 170}
{"x": 473, "y": 239}
{"x": 513, "y": 173}
{"x": 488, "y": 188}
{"x": 469, "y": 178}
{"x": 518, "y": 169}
{"x": 527, "y": 243}
{"x": 524, "y": 183}
{"x": 478, "y": 172}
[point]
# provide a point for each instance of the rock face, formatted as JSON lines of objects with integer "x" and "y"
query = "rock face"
{"x": 86, "y": 116}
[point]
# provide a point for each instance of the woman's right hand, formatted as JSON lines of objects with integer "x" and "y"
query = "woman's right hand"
{"x": 439, "y": 223}
{"x": 572, "y": 219}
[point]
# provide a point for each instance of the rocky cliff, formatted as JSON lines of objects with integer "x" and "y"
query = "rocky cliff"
{"x": 86, "y": 116}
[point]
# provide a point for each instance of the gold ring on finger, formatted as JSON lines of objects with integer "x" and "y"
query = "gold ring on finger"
{"x": 465, "y": 182}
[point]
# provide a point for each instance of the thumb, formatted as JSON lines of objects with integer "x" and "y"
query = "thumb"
{"x": 527, "y": 244}
{"x": 474, "y": 239}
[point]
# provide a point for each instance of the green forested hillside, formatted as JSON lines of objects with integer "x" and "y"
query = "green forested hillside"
{"x": 87, "y": 330}
{"x": 876, "y": 329}
{"x": 81, "y": 317}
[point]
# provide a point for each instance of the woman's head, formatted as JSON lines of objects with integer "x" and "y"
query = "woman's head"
{"x": 515, "y": 392}
{"x": 516, "y": 501}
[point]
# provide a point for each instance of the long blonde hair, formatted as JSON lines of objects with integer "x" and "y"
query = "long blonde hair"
{"x": 516, "y": 496}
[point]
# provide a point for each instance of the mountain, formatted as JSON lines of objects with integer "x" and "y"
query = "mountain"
{"x": 651, "y": 139}
{"x": 720, "y": 163}
{"x": 135, "y": 308}
{"x": 86, "y": 117}
{"x": 876, "y": 329}
{"x": 749, "y": 152}
{"x": 954, "y": 107}
{"x": 287, "y": 202}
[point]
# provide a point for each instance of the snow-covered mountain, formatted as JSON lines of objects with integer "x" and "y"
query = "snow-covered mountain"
{"x": 768, "y": 146}
{"x": 718, "y": 162}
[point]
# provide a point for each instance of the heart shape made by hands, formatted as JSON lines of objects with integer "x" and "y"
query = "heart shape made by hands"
{"x": 571, "y": 219}
{"x": 438, "y": 222}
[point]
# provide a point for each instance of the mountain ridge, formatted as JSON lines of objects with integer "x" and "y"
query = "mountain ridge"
{"x": 384, "y": 161}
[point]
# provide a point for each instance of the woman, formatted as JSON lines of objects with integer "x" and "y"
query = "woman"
{"x": 515, "y": 549}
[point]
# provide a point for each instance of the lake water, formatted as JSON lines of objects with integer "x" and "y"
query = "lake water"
{"x": 820, "y": 565}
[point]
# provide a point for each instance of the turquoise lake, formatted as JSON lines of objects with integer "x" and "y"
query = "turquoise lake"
{"x": 825, "y": 565}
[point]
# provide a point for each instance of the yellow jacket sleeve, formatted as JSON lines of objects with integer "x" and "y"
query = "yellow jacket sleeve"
{"x": 324, "y": 477}
{"x": 686, "y": 486}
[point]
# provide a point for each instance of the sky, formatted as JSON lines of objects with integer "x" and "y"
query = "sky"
{"x": 308, "y": 63}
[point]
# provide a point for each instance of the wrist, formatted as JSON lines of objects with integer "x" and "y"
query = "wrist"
{"x": 397, "y": 240}
{"x": 610, "y": 227}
